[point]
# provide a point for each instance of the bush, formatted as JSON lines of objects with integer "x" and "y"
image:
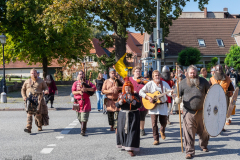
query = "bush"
{"x": 94, "y": 74}
{"x": 189, "y": 56}
{"x": 25, "y": 77}
{"x": 233, "y": 57}
{"x": 15, "y": 76}
{"x": 67, "y": 78}
{"x": 58, "y": 75}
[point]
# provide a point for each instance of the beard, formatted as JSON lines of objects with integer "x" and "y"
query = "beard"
{"x": 219, "y": 76}
{"x": 112, "y": 77}
{"x": 80, "y": 78}
{"x": 192, "y": 81}
{"x": 157, "y": 80}
{"x": 34, "y": 78}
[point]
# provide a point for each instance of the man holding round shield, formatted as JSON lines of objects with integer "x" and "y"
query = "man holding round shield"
{"x": 224, "y": 81}
{"x": 192, "y": 91}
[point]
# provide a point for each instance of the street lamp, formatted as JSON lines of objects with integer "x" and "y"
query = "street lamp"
{"x": 3, "y": 94}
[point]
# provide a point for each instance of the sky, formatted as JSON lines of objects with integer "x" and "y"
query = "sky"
{"x": 213, "y": 5}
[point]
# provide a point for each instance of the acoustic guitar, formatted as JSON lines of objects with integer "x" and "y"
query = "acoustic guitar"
{"x": 156, "y": 99}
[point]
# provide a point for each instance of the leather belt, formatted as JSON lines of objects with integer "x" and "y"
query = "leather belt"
{"x": 198, "y": 110}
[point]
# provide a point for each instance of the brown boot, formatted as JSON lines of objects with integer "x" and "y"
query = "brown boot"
{"x": 162, "y": 135}
{"x": 156, "y": 143}
{"x": 27, "y": 130}
{"x": 84, "y": 125}
{"x": 40, "y": 128}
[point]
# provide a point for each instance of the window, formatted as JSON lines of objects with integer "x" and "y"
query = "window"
{"x": 220, "y": 43}
{"x": 201, "y": 42}
{"x": 90, "y": 58}
{"x": 146, "y": 46}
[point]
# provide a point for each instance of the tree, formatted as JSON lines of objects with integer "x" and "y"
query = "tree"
{"x": 189, "y": 56}
{"x": 105, "y": 62}
{"x": 233, "y": 57}
{"x": 214, "y": 61}
{"x": 117, "y": 16}
{"x": 96, "y": 33}
{"x": 35, "y": 41}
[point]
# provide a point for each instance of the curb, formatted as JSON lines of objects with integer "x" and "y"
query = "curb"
{"x": 23, "y": 109}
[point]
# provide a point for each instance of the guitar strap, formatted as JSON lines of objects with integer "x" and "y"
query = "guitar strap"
{"x": 161, "y": 86}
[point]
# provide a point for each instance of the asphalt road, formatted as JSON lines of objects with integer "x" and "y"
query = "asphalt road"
{"x": 62, "y": 140}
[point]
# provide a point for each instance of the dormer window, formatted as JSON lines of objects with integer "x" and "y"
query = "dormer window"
{"x": 220, "y": 42}
{"x": 201, "y": 43}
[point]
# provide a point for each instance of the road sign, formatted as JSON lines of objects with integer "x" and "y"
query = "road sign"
{"x": 155, "y": 34}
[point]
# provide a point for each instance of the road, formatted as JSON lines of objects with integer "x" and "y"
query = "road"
{"x": 61, "y": 140}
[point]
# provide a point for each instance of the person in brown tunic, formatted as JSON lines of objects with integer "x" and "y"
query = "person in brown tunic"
{"x": 110, "y": 89}
{"x": 35, "y": 86}
{"x": 193, "y": 90}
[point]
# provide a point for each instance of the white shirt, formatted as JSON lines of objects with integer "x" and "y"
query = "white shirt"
{"x": 151, "y": 87}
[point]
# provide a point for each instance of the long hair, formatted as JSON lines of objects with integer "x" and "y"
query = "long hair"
{"x": 99, "y": 76}
{"x": 51, "y": 78}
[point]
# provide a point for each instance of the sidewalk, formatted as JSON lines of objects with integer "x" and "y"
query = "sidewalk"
{"x": 62, "y": 101}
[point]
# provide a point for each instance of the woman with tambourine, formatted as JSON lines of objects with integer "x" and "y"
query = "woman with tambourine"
{"x": 128, "y": 126}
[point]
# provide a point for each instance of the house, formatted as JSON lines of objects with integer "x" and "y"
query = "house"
{"x": 21, "y": 68}
{"x": 213, "y": 33}
{"x": 133, "y": 45}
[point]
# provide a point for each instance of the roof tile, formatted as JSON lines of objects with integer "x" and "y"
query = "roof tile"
{"x": 185, "y": 32}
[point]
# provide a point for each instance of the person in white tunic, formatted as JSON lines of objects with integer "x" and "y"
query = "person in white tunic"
{"x": 161, "y": 110}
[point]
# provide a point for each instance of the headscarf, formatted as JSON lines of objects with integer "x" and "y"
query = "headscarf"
{"x": 127, "y": 82}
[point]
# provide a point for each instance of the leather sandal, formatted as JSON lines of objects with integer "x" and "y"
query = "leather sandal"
{"x": 112, "y": 129}
{"x": 131, "y": 153}
{"x": 188, "y": 156}
{"x": 205, "y": 150}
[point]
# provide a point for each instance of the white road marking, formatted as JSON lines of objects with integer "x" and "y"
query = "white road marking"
{"x": 65, "y": 131}
{"x": 73, "y": 124}
{"x": 59, "y": 137}
{"x": 68, "y": 127}
{"x": 46, "y": 150}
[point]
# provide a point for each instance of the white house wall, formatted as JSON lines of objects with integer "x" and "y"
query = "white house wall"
{"x": 19, "y": 72}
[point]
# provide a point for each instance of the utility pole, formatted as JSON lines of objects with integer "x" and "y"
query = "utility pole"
{"x": 158, "y": 35}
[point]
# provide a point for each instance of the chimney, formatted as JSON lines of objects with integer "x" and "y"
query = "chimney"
{"x": 225, "y": 9}
{"x": 205, "y": 12}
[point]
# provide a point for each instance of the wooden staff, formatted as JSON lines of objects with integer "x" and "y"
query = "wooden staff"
{"x": 179, "y": 108}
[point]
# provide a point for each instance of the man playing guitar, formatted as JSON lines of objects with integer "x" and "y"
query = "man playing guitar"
{"x": 161, "y": 109}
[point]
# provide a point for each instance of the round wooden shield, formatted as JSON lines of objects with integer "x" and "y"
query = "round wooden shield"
{"x": 214, "y": 110}
{"x": 232, "y": 102}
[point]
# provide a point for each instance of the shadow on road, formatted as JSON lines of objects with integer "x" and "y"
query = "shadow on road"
{"x": 48, "y": 131}
{"x": 92, "y": 131}
{"x": 218, "y": 150}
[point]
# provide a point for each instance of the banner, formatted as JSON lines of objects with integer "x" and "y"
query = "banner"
{"x": 121, "y": 68}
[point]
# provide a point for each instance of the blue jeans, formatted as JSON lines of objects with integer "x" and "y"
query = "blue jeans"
{"x": 99, "y": 100}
